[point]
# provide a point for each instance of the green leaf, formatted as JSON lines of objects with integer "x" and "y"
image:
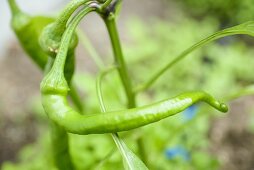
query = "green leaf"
{"x": 130, "y": 160}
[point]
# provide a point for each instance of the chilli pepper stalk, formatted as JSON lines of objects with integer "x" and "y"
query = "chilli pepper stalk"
{"x": 51, "y": 35}
{"x": 130, "y": 160}
{"x": 246, "y": 28}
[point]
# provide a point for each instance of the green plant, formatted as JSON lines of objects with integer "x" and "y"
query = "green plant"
{"x": 55, "y": 87}
{"x": 221, "y": 10}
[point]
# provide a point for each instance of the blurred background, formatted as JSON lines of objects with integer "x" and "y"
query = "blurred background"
{"x": 152, "y": 33}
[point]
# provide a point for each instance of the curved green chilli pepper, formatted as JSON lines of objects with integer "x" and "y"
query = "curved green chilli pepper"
{"x": 54, "y": 89}
{"x": 51, "y": 36}
{"x": 58, "y": 110}
{"x": 27, "y": 30}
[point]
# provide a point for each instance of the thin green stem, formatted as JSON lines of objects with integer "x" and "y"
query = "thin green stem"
{"x": 246, "y": 28}
{"x": 90, "y": 49}
{"x": 65, "y": 15}
{"x": 122, "y": 69}
{"x": 98, "y": 86}
{"x": 245, "y": 91}
{"x": 115, "y": 136}
{"x": 102, "y": 161}
{"x": 106, "y": 4}
{"x": 14, "y": 7}
{"x": 63, "y": 49}
{"x": 119, "y": 59}
{"x": 118, "y": 141}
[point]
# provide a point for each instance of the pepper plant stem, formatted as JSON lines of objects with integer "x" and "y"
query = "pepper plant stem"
{"x": 13, "y": 6}
{"x": 122, "y": 69}
{"x": 119, "y": 59}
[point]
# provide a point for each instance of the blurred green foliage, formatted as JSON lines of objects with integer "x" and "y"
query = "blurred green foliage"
{"x": 228, "y": 12}
{"x": 219, "y": 68}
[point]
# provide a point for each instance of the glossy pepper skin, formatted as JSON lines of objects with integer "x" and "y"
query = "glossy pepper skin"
{"x": 54, "y": 91}
{"x": 58, "y": 110}
{"x": 28, "y": 30}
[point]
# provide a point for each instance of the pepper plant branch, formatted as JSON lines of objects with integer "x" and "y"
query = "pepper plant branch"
{"x": 98, "y": 86}
{"x": 103, "y": 109}
{"x": 245, "y": 28}
{"x": 124, "y": 150}
{"x": 119, "y": 59}
{"x": 13, "y": 6}
{"x": 105, "y": 5}
{"x": 131, "y": 161}
{"x": 109, "y": 15}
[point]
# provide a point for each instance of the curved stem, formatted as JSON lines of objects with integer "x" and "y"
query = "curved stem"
{"x": 98, "y": 86}
{"x": 63, "y": 49}
{"x": 65, "y": 15}
{"x": 103, "y": 108}
{"x": 71, "y": 7}
{"x": 129, "y": 158}
{"x": 246, "y": 28}
{"x": 245, "y": 91}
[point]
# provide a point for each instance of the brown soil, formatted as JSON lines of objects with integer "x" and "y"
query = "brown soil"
{"x": 231, "y": 139}
{"x": 19, "y": 82}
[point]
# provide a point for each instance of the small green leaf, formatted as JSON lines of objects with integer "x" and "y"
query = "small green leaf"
{"x": 130, "y": 160}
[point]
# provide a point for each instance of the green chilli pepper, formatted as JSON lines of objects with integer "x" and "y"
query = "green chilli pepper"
{"x": 54, "y": 90}
{"x": 58, "y": 110}
{"x": 28, "y": 30}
